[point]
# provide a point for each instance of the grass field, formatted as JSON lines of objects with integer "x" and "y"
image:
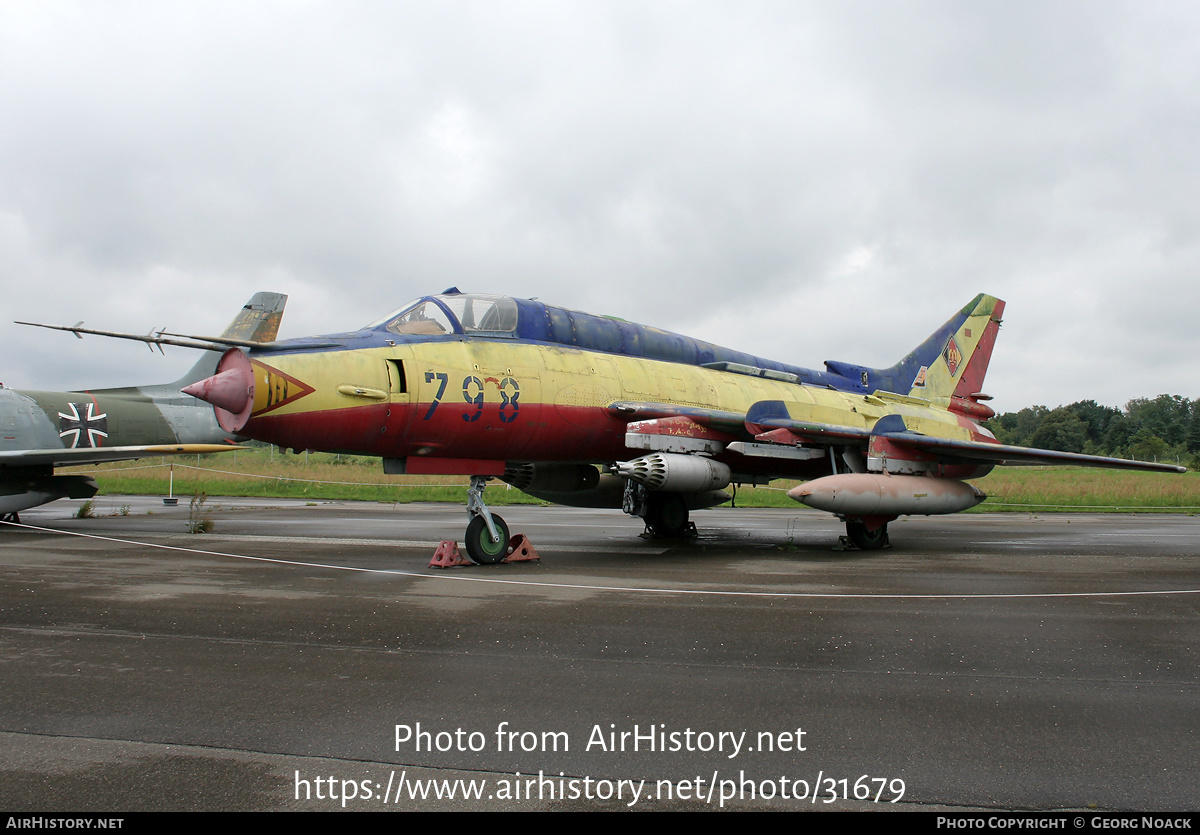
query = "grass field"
{"x": 320, "y": 476}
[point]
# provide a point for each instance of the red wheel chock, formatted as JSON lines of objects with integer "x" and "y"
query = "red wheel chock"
{"x": 447, "y": 555}
{"x": 520, "y": 549}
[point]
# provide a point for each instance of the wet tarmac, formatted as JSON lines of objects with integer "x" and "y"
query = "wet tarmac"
{"x": 304, "y": 656}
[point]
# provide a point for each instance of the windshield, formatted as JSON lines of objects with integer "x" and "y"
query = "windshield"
{"x": 423, "y": 317}
{"x": 474, "y": 314}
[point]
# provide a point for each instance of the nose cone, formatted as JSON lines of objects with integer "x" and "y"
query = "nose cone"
{"x": 227, "y": 390}
{"x": 230, "y": 390}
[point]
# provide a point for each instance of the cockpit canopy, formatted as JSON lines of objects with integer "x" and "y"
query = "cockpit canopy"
{"x": 469, "y": 313}
{"x": 455, "y": 314}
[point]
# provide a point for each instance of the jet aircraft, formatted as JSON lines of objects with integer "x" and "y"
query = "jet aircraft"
{"x": 595, "y": 411}
{"x": 41, "y": 430}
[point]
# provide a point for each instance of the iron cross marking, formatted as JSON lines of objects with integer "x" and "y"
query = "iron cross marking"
{"x": 86, "y": 431}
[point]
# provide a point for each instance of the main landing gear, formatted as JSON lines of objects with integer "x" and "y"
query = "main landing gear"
{"x": 487, "y": 533}
{"x": 869, "y": 533}
{"x": 665, "y": 514}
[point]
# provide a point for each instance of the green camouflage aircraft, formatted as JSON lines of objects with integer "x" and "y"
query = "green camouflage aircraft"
{"x": 41, "y": 430}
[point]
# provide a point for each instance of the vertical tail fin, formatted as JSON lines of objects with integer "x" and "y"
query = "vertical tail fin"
{"x": 257, "y": 321}
{"x": 953, "y": 361}
{"x": 949, "y": 365}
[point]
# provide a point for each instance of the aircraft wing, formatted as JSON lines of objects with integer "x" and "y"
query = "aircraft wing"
{"x": 733, "y": 423}
{"x": 1016, "y": 455}
{"x": 762, "y": 418}
{"x": 769, "y": 415}
{"x": 774, "y": 415}
{"x": 100, "y": 455}
{"x": 680, "y": 428}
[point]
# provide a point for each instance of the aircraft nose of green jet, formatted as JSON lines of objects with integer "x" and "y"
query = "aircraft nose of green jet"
{"x": 230, "y": 390}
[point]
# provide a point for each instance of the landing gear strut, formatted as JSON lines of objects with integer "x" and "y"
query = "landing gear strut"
{"x": 487, "y": 533}
{"x": 11, "y": 517}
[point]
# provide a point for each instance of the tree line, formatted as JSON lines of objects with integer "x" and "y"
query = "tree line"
{"x": 1165, "y": 428}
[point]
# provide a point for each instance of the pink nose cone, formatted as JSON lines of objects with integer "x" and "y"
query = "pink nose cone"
{"x": 227, "y": 390}
{"x": 230, "y": 390}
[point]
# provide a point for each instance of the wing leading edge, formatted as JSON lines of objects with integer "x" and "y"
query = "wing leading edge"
{"x": 101, "y": 455}
{"x": 1005, "y": 454}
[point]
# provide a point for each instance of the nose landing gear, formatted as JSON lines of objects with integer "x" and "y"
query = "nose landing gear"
{"x": 487, "y": 533}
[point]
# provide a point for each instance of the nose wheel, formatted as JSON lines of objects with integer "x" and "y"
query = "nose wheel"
{"x": 487, "y": 533}
{"x": 481, "y": 547}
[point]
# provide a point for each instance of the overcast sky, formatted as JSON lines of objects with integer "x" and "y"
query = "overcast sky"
{"x": 802, "y": 180}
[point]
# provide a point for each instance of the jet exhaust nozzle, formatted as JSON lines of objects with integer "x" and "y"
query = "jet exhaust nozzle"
{"x": 230, "y": 390}
{"x": 869, "y": 494}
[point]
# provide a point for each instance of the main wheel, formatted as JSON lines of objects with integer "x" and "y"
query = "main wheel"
{"x": 480, "y": 547}
{"x": 667, "y": 514}
{"x": 867, "y": 540}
